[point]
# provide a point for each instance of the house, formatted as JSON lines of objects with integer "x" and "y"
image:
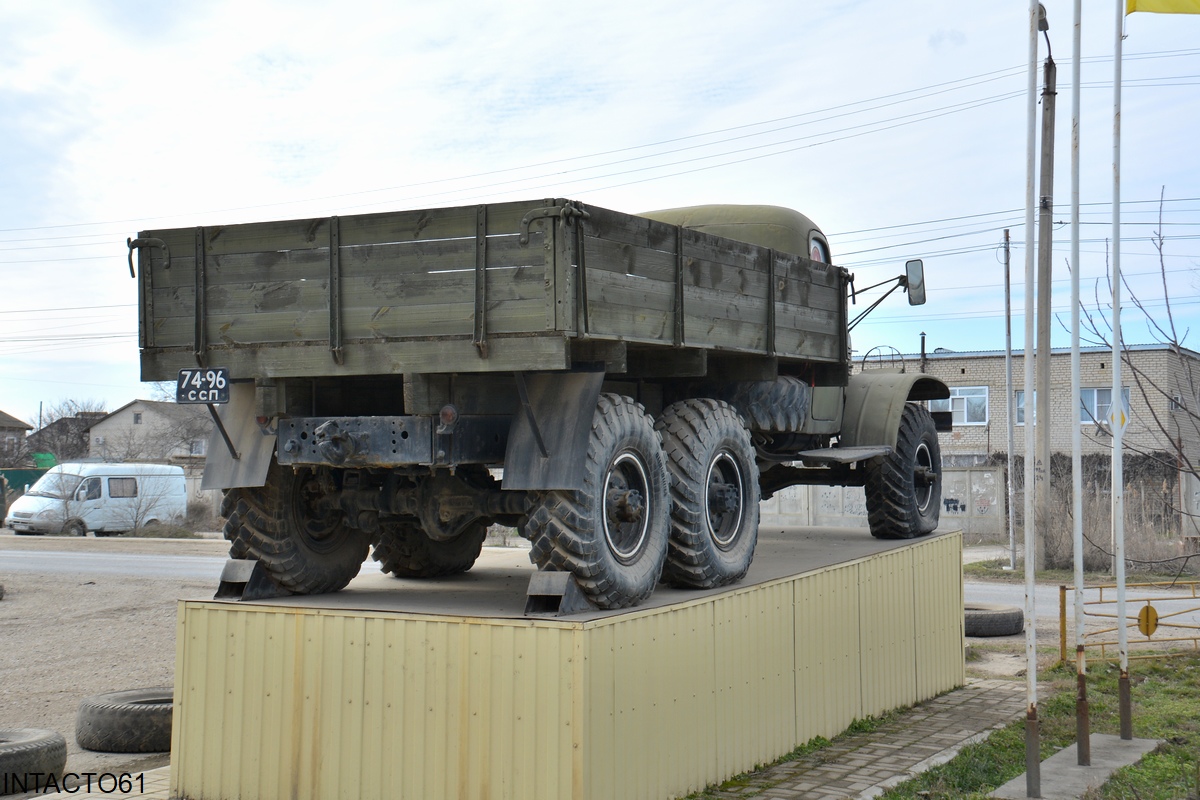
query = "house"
{"x": 149, "y": 430}
{"x": 65, "y": 437}
{"x": 12, "y": 439}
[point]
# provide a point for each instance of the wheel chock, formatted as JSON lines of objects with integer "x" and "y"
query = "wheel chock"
{"x": 555, "y": 594}
{"x": 245, "y": 579}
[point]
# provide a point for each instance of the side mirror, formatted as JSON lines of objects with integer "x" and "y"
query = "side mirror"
{"x": 914, "y": 276}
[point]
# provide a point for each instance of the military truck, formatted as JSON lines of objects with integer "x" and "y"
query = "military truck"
{"x": 623, "y": 389}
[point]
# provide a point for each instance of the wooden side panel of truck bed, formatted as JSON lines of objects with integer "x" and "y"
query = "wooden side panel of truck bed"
{"x": 402, "y": 292}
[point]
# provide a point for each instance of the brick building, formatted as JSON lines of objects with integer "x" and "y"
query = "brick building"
{"x": 1161, "y": 394}
{"x": 1157, "y": 383}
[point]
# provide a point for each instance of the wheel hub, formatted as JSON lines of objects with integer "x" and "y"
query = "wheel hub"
{"x": 924, "y": 476}
{"x": 626, "y": 509}
{"x": 726, "y": 493}
{"x": 626, "y": 505}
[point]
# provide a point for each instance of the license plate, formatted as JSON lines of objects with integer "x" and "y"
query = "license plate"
{"x": 202, "y": 386}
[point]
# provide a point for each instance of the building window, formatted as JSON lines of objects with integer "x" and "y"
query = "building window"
{"x": 137, "y": 418}
{"x": 1094, "y": 404}
{"x": 1019, "y": 407}
{"x": 969, "y": 405}
{"x": 198, "y": 447}
{"x": 122, "y": 487}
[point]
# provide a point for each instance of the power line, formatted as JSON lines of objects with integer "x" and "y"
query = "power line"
{"x": 909, "y": 95}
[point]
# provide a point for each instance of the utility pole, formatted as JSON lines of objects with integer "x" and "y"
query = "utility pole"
{"x": 1008, "y": 407}
{"x": 1033, "y": 763}
{"x": 1042, "y": 412}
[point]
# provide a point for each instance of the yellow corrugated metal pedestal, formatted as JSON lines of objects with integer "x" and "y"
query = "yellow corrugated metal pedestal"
{"x": 296, "y": 700}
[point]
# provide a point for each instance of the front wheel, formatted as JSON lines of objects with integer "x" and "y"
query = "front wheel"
{"x": 293, "y": 527}
{"x": 611, "y": 533}
{"x": 904, "y": 488}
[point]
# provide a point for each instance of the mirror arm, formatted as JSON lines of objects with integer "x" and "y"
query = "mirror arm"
{"x": 874, "y": 305}
{"x": 903, "y": 281}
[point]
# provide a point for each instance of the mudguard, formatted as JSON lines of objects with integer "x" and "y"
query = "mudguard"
{"x": 548, "y": 440}
{"x": 253, "y": 446}
{"x": 875, "y": 401}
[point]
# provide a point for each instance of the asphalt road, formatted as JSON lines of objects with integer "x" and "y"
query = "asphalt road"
{"x": 89, "y": 565}
{"x": 191, "y": 559}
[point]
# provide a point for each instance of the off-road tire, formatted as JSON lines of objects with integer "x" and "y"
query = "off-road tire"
{"x": 615, "y": 562}
{"x": 901, "y": 503}
{"x": 990, "y": 619}
{"x": 25, "y": 751}
{"x": 714, "y": 494}
{"x": 778, "y": 406}
{"x": 132, "y": 721}
{"x": 276, "y": 524}
{"x": 403, "y": 550}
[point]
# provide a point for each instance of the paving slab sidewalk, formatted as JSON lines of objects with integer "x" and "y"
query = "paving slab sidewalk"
{"x": 857, "y": 766}
{"x": 866, "y": 765}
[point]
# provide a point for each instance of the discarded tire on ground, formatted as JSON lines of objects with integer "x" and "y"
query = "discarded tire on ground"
{"x": 26, "y": 751}
{"x": 132, "y": 721}
{"x": 989, "y": 619}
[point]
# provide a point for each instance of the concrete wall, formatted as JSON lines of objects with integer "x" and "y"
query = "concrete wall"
{"x": 973, "y": 500}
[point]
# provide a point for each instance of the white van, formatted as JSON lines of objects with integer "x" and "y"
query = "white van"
{"x": 102, "y": 498}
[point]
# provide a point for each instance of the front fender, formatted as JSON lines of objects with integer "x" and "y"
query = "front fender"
{"x": 875, "y": 402}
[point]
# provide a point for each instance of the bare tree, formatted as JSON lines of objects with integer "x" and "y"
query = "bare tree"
{"x": 64, "y": 429}
{"x": 1171, "y": 396}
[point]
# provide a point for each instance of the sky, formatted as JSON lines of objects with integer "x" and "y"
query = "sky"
{"x": 899, "y": 128}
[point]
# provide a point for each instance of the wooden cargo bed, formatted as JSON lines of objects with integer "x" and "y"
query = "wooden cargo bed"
{"x": 471, "y": 289}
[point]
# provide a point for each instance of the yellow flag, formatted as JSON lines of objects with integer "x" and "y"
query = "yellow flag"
{"x": 1163, "y": 6}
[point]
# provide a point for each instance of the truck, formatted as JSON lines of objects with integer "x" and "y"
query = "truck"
{"x": 623, "y": 389}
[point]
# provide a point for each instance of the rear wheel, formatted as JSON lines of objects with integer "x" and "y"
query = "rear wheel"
{"x": 293, "y": 527}
{"x": 714, "y": 494}
{"x": 405, "y": 551}
{"x": 611, "y": 534}
{"x": 904, "y": 488}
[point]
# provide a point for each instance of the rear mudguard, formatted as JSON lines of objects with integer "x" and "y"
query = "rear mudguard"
{"x": 247, "y": 462}
{"x": 875, "y": 402}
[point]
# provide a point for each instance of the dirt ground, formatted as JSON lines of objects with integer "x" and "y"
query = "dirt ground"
{"x": 63, "y": 638}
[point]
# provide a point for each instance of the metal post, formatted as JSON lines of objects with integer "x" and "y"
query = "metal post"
{"x": 1083, "y": 743}
{"x": 1118, "y": 401}
{"x": 1033, "y": 765}
{"x": 1008, "y": 406}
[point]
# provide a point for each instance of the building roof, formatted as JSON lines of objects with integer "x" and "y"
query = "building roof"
{"x": 941, "y": 352}
{"x": 174, "y": 410}
{"x": 9, "y": 421}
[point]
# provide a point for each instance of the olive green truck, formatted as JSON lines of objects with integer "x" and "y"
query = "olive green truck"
{"x": 623, "y": 389}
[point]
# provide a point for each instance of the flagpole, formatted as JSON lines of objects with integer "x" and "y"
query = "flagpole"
{"x": 1117, "y": 413}
{"x": 1083, "y": 745}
